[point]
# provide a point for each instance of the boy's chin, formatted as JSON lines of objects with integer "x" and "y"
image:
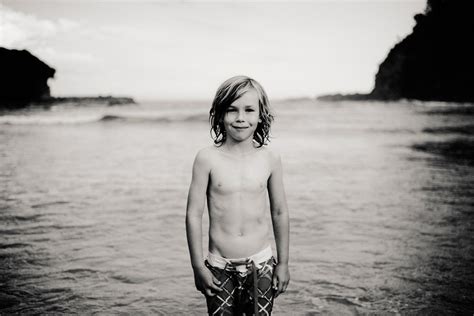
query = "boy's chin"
{"x": 240, "y": 139}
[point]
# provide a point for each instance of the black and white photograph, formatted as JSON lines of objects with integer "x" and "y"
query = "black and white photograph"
{"x": 219, "y": 157}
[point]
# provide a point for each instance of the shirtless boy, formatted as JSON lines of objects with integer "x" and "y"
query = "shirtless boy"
{"x": 234, "y": 176}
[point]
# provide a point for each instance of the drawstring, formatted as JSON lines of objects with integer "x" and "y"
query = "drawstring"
{"x": 229, "y": 266}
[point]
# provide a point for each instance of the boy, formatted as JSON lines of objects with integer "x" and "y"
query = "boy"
{"x": 235, "y": 176}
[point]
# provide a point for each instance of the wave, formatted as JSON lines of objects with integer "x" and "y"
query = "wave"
{"x": 158, "y": 119}
{"x": 458, "y": 150}
{"x": 347, "y": 301}
{"x": 80, "y": 271}
{"x": 463, "y": 130}
{"x": 465, "y": 109}
{"x": 87, "y": 119}
{"x": 13, "y": 245}
{"x": 46, "y": 204}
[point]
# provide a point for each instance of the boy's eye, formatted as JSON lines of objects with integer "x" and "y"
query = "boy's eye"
{"x": 230, "y": 110}
{"x": 250, "y": 110}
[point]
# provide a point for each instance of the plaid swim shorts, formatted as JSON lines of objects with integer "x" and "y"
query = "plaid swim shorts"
{"x": 239, "y": 289}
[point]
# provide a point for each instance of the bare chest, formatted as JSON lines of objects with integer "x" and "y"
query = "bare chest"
{"x": 239, "y": 175}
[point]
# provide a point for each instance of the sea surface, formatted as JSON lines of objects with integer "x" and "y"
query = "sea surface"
{"x": 381, "y": 199}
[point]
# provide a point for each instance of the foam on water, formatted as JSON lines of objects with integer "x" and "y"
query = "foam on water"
{"x": 84, "y": 115}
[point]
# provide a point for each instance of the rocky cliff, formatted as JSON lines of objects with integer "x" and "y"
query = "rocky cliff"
{"x": 23, "y": 78}
{"x": 24, "y": 81}
{"x": 435, "y": 62}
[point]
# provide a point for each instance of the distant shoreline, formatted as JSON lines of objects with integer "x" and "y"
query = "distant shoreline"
{"x": 14, "y": 105}
{"x": 370, "y": 97}
{"x": 109, "y": 100}
{"x": 344, "y": 97}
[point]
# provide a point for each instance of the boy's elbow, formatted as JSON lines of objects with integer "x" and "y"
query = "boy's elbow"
{"x": 280, "y": 212}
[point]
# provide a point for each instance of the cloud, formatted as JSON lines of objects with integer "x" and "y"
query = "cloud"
{"x": 20, "y": 30}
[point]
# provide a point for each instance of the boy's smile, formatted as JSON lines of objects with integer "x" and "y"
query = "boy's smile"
{"x": 242, "y": 117}
{"x": 240, "y": 127}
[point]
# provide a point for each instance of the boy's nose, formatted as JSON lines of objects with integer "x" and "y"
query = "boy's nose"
{"x": 240, "y": 117}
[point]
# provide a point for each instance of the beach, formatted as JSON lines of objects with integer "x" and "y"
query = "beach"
{"x": 381, "y": 197}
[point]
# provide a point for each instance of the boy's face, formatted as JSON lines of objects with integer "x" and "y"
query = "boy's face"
{"x": 242, "y": 116}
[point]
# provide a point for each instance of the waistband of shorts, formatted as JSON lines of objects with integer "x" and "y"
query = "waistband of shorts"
{"x": 240, "y": 264}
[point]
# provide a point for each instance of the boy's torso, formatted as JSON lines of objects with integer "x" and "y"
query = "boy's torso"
{"x": 236, "y": 197}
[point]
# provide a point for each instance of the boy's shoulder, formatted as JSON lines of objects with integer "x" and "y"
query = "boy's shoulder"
{"x": 203, "y": 159}
{"x": 274, "y": 157}
{"x": 206, "y": 153}
{"x": 272, "y": 153}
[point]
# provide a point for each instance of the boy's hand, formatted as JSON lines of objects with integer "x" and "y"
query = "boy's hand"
{"x": 205, "y": 282}
{"x": 281, "y": 278}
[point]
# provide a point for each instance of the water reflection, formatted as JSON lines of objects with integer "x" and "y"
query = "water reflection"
{"x": 452, "y": 151}
{"x": 444, "y": 279}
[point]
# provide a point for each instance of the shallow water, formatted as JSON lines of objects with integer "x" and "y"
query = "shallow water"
{"x": 381, "y": 198}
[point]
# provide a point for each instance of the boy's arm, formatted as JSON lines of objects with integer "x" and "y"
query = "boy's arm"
{"x": 194, "y": 211}
{"x": 280, "y": 220}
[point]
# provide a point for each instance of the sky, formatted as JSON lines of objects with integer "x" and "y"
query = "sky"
{"x": 184, "y": 49}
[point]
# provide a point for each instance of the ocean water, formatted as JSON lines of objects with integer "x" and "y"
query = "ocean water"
{"x": 381, "y": 199}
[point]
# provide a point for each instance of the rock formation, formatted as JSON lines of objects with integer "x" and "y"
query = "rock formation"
{"x": 435, "y": 62}
{"x": 24, "y": 81}
{"x": 24, "y": 78}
